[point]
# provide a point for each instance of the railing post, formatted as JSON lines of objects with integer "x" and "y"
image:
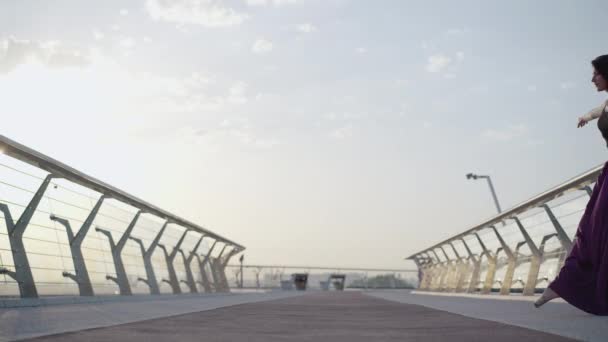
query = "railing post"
{"x": 143, "y": 252}
{"x": 187, "y": 261}
{"x": 508, "y": 279}
{"x": 147, "y": 256}
{"x": 121, "y": 275}
{"x": 435, "y": 270}
{"x": 169, "y": 257}
{"x": 520, "y": 258}
{"x": 189, "y": 281}
{"x": 427, "y": 274}
{"x": 23, "y": 272}
{"x": 535, "y": 260}
{"x": 541, "y": 247}
{"x": 81, "y": 276}
{"x": 448, "y": 282}
{"x": 422, "y": 265}
{"x": 462, "y": 270}
{"x": 561, "y": 235}
{"x": 439, "y": 273}
{"x": 427, "y": 271}
{"x": 474, "y": 278}
{"x": 419, "y": 265}
{"x": 226, "y": 285}
{"x": 491, "y": 268}
{"x": 588, "y": 189}
{"x": 215, "y": 265}
{"x": 202, "y": 264}
{"x": 543, "y": 252}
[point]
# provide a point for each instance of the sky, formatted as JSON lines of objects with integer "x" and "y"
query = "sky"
{"x": 324, "y": 133}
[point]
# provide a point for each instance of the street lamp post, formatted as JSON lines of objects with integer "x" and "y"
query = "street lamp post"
{"x": 241, "y": 259}
{"x": 474, "y": 177}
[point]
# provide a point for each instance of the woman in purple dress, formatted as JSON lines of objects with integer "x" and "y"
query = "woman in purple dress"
{"x": 583, "y": 280}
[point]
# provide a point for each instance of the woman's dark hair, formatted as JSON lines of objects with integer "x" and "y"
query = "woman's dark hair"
{"x": 601, "y": 65}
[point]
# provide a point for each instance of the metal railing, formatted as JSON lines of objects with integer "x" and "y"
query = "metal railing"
{"x": 518, "y": 250}
{"x": 69, "y": 233}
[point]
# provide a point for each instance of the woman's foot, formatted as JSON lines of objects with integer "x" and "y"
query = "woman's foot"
{"x": 545, "y": 297}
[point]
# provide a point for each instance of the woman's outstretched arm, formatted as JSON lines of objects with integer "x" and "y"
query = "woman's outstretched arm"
{"x": 593, "y": 114}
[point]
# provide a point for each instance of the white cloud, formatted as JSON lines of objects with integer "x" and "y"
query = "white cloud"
{"x": 427, "y": 45}
{"x": 105, "y": 88}
{"x": 460, "y": 56}
{"x": 237, "y": 92}
{"x": 270, "y": 68}
{"x": 437, "y": 63}
{"x": 535, "y": 142}
{"x": 479, "y": 89}
{"x": 531, "y": 87}
{"x": 457, "y": 31}
{"x": 265, "y": 143}
{"x": 270, "y": 2}
{"x": 267, "y": 97}
{"x": 342, "y": 132}
{"x": 257, "y": 2}
{"x": 208, "y": 13}
{"x": 236, "y": 129}
{"x": 124, "y": 12}
{"x": 98, "y": 35}
{"x": 306, "y": 28}
{"x": 285, "y": 2}
{"x": 401, "y": 82}
{"x": 344, "y": 116}
{"x": 127, "y": 42}
{"x": 14, "y": 52}
{"x": 427, "y": 124}
{"x": 361, "y": 50}
{"x": 567, "y": 85}
{"x": 508, "y": 133}
{"x": 261, "y": 46}
{"x": 147, "y": 39}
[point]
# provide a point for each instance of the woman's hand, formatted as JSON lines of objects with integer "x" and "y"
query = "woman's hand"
{"x": 581, "y": 122}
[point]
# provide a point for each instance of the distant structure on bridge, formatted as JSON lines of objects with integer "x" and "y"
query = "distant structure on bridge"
{"x": 272, "y": 276}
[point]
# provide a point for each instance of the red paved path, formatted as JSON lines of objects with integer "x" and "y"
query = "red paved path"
{"x": 329, "y": 316}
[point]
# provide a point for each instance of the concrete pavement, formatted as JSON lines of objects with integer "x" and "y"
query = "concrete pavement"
{"x": 556, "y": 317}
{"x": 316, "y": 316}
{"x": 20, "y": 323}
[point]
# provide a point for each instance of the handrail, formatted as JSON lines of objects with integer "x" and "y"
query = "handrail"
{"x": 57, "y": 168}
{"x": 575, "y": 183}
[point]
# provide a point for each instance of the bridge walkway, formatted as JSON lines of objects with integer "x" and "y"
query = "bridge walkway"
{"x": 315, "y": 316}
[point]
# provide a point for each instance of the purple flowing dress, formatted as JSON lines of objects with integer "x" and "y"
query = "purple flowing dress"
{"x": 583, "y": 280}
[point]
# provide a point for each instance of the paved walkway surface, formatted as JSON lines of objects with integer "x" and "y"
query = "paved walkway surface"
{"x": 556, "y": 317}
{"x": 317, "y": 316}
{"x": 20, "y": 323}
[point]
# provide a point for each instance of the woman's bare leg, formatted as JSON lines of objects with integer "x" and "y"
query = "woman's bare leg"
{"x": 545, "y": 297}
